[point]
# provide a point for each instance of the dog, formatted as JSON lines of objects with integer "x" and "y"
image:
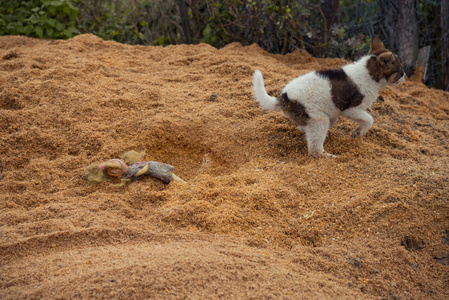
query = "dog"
{"x": 316, "y": 100}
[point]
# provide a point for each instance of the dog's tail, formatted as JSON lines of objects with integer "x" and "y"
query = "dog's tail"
{"x": 265, "y": 101}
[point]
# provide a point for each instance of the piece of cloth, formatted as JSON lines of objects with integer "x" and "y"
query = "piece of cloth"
{"x": 157, "y": 170}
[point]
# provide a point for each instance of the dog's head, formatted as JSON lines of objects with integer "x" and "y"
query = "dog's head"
{"x": 385, "y": 64}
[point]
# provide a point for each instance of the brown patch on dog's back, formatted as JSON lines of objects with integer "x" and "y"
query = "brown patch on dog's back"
{"x": 345, "y": 93}
{"x": 294, "y": 110}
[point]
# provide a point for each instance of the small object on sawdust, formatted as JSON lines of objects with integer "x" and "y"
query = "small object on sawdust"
{"x": 129, "y": 168}
{"x": 213, "y": 97}
{"x": 10, "y": 55}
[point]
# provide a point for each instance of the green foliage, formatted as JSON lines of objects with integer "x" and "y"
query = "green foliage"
{"x": 271, "y": 24}
{"x": 106, "y": 19}
{"x": 53, "y": 19}
{"x": 213, "y": 33}
{"x": 281, "y": 26}
{"x": 147, "y": 22}
{"x": 324, "y": 28}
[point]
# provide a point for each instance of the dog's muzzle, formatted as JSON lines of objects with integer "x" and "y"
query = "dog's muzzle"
{"x": 402, "y": 78}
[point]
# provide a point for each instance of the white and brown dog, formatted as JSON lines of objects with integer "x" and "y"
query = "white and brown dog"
{"x": 316, "y": 100}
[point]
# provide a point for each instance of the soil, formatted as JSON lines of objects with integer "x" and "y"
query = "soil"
{"x": 258, "y": 218}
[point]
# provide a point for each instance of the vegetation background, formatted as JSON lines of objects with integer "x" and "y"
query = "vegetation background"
{"x": 325, "y": 28}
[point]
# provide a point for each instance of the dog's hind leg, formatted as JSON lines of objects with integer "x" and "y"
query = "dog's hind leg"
{"x": 332, "y": 122}
{"x": 316, "y": 132}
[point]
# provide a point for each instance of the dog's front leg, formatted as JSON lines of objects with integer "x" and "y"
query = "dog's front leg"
{"x": 364, "y": 120}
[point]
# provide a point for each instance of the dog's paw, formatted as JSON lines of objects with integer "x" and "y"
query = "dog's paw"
{"x": 356, "y": 133}
{"x": 321, "y": 153}
{"x": 325, "y": 154}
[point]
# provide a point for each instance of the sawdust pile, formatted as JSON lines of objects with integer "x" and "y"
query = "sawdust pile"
{"x": 258, "y": 217}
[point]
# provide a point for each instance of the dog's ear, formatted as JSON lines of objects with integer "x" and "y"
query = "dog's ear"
{"x": 377, "y": 45}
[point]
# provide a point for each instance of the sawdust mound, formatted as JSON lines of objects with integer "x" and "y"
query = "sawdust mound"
{"x": 258, "y": 217}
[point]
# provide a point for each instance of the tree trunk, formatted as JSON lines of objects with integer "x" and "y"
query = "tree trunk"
{"x": 185, "y": 21}
{"x": 445, "y": 43}
{"x": 401, "y": 27}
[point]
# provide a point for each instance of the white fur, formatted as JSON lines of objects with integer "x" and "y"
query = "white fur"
{"x": 314, "y": 93}
{"x": 264, "y": 100}
{"x": 358, "y": 72}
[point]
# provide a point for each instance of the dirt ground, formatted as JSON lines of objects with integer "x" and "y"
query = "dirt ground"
{"x": 258, "y": 217}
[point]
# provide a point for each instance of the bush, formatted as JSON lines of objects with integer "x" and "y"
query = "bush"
{"x": 146, "y": 22}
{"x": 326, "y": 28}
{"x": 281, "y": 26}
{"x": 53, "y": 19}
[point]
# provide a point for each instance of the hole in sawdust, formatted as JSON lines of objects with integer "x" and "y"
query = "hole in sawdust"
{"x": 412, "y": 244}
{"x": 10, "y": 55}
{"x": 444, "y": 259}
{"x": 10, "y": 103}
{"x": 446, "y": 238}
{"x": 354, "y": 262}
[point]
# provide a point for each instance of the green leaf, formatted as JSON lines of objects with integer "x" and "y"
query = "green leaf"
{"x": 39, "y": 31}
{"x": 27, "y": 30}
{"x": 51, "y": 22}
{"x": 59, "y": 26}
{"x": 160, "y": 40}
{"x": 33, "y": 19}
{"x": 52, "y": 10}
{"x": 73, "y": 29}
{"x": 69, "y": 4}
{"x": 49, "y": 32}
{"x": 11, "y": 26}
{"x": 67, "y": 33}
{"x": 67, "y": 10}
